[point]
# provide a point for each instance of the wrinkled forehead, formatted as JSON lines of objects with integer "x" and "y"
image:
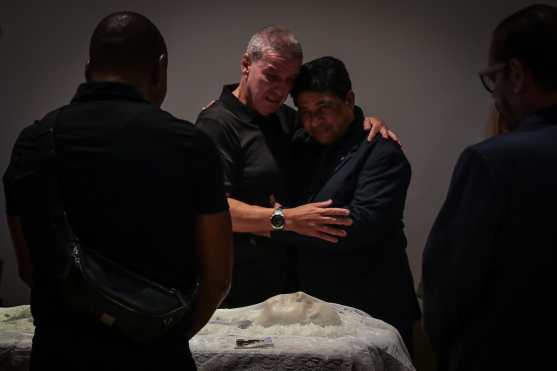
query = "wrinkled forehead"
{"x": 280, "y": 63}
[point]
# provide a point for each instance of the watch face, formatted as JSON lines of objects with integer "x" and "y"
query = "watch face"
{"x": 277, "y": 221}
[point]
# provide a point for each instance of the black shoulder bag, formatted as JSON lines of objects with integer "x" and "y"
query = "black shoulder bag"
{"x": 94, "y": 285}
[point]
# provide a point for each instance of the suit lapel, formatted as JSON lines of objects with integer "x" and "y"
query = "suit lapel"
{"x": 345, "y": 167}
{"x": 351, "y": 153}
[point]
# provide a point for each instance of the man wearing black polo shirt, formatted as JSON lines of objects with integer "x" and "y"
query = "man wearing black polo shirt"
{"x": 139, "y": 185}
{"x": 253, "y": 130}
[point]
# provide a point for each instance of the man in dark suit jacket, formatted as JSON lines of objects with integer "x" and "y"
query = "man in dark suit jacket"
{"x": 489, "y": 265}
{"x": 368, "y": 268}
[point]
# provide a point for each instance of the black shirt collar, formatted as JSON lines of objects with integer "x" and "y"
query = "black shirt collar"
{"x": 241, "y": 110}
{"x": 107, "y": 90}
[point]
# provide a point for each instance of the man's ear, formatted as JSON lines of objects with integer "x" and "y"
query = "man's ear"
{"x": 88, "y": 71}
{"x": 517, "y": 75}
{"x": 158, "y": 73}
{"x": 163, "y": 60}
{"x": 245, "y": 63}
{"x": 350, "y": 98}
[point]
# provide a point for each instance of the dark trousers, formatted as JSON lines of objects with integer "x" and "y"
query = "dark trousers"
{"x": 84, "y": 349}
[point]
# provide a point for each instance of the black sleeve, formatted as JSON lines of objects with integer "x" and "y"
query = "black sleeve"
{"x": 228, "y": 147}
{"x": 377, "y": 204}
{"x": 459, "y": 251}
{"x": 209, "y": 185}
{"x": 22, "y": 165}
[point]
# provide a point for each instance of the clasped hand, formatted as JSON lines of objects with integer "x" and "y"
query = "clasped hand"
{"x": 318, "y": 220}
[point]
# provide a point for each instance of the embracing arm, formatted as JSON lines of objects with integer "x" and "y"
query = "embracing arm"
{"x": 376, "y": 125}
{"x": 249, "y": 218}
{"x": 377, "y": 204}
{"x": 314, "y": 219}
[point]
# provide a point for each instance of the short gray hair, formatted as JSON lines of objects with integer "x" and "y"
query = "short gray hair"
{"x": 277, "y": 39}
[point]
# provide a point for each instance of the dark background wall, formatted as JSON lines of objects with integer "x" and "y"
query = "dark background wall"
{"x": 413, "y": 63}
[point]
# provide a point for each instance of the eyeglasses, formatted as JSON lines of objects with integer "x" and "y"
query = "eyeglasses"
{"x": 488, "y": 76}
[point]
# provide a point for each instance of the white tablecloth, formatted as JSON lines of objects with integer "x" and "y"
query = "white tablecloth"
{"x": 374, "y": 345}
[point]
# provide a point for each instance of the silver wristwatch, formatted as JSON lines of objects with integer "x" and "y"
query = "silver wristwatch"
{"x": 277, "y": 219}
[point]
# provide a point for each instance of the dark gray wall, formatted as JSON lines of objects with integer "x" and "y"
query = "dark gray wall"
{"x": 413, "y": 63}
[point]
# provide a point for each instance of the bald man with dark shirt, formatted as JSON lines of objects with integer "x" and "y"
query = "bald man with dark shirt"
{"x": 140, "y": 186}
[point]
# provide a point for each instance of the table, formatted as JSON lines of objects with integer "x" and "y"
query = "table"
{"x": 372, "y": 345}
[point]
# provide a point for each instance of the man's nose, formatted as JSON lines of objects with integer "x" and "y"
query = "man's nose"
{"x": 313, "y": 120}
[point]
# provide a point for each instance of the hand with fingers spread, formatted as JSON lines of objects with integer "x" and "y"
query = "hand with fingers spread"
{"x": 318, "y": 220}
{"x": 376, "y": 125}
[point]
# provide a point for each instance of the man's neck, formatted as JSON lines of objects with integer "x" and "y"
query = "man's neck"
{"x": 107, "y": 77}
{"x": 549, "y": 100}
{"x": 240, "y": 92}
{"x": 137, "y": 84}
{"x": 539, "y": 101}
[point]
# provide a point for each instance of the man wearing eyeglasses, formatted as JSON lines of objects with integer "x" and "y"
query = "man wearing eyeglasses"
{"x": 489, "y": 269}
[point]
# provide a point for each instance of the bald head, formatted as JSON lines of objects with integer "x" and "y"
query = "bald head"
{"x": 125, "y": 42}
{"x": 127, "y": 47}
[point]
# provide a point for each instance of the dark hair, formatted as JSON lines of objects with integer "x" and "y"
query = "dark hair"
{"x": 323, "y": 75}
{"x": 125, "y": 41}
{"x": 530, "y": 35}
